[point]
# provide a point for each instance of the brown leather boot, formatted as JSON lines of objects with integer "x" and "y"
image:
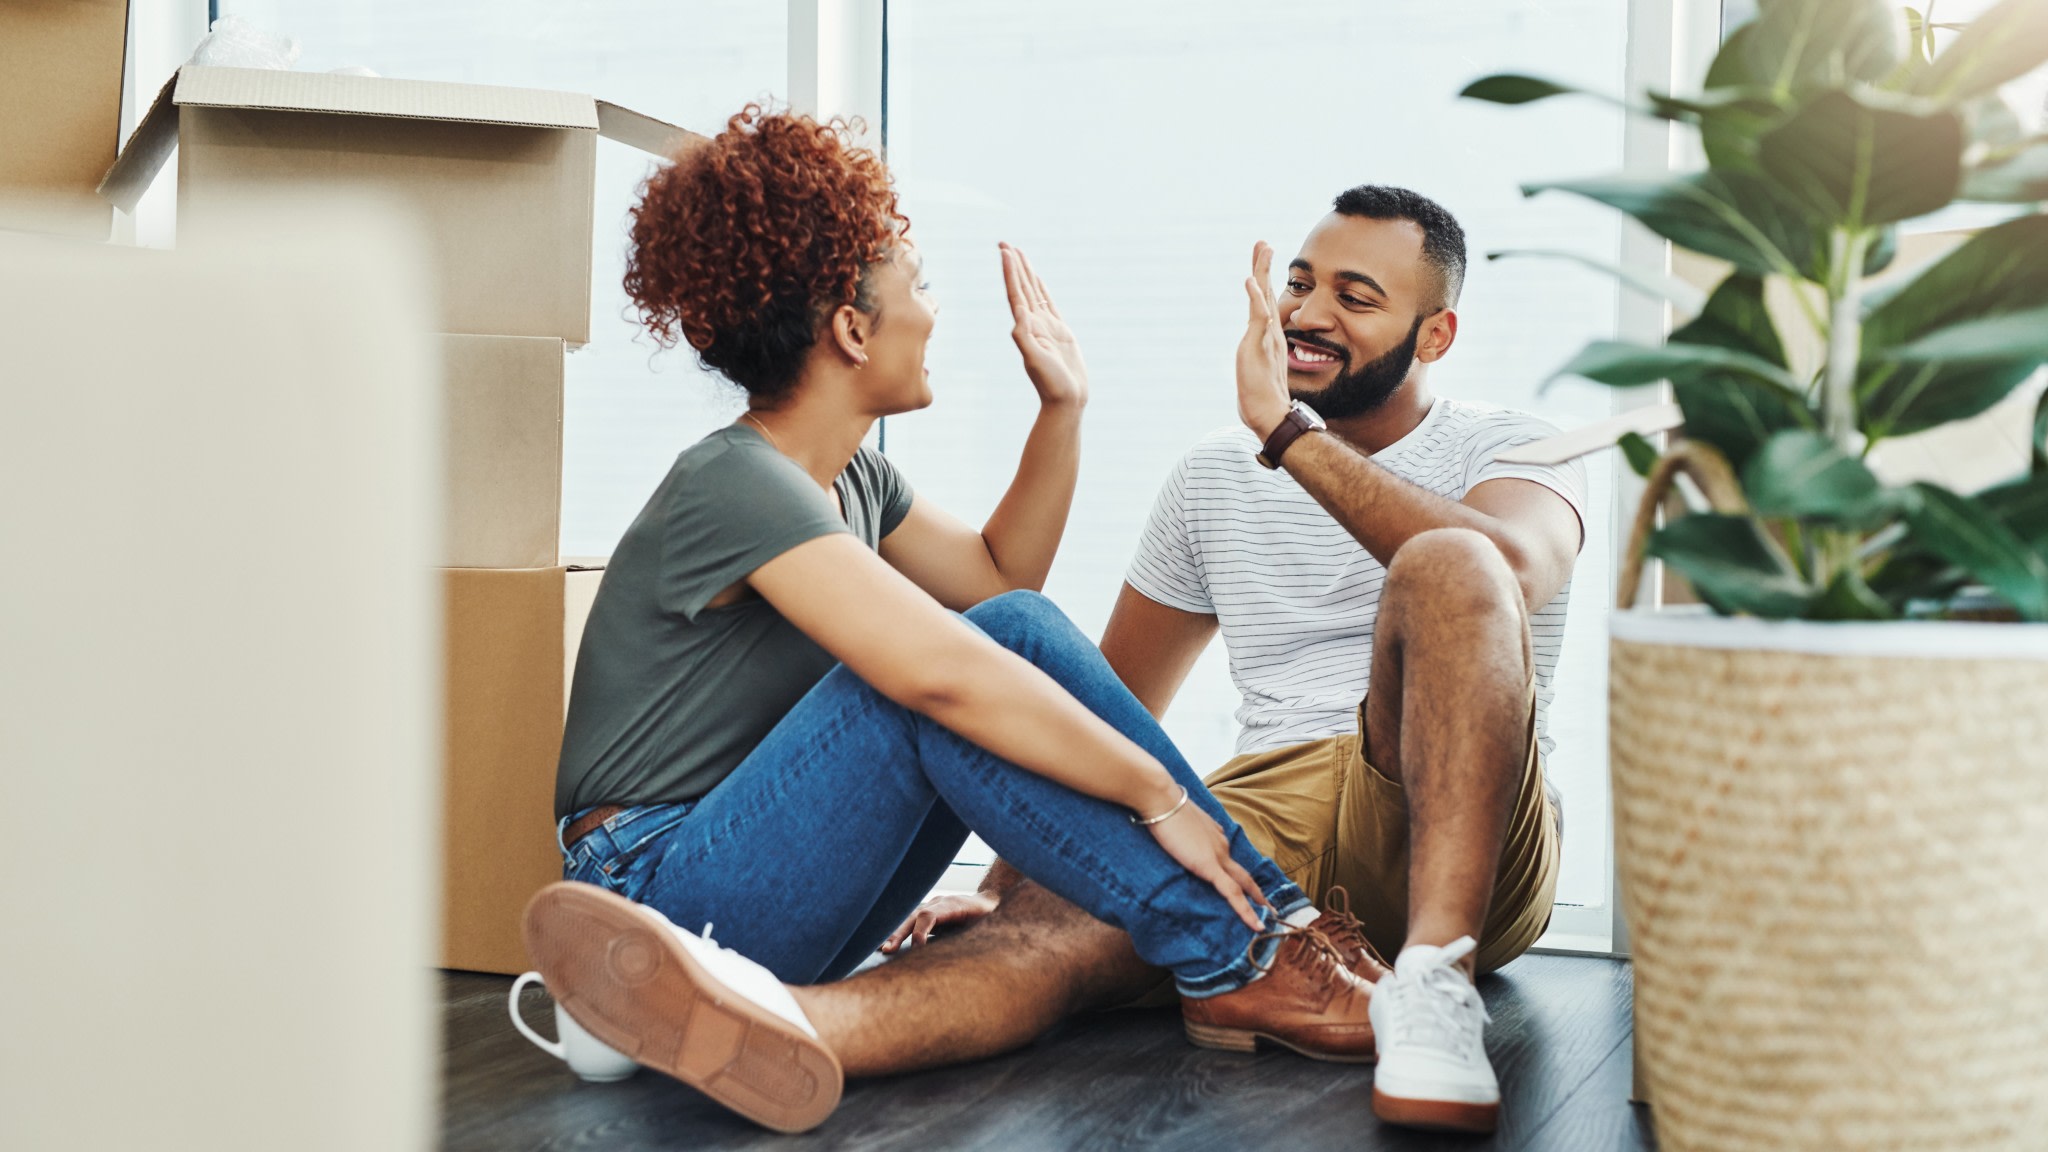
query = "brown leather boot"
{"x": 1308, "y": 1000}
{"x": 1348, "y": 935}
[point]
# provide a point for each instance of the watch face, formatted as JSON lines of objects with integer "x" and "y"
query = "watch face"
{"x": 1315, "y": 419}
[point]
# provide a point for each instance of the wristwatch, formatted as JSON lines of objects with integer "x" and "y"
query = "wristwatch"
{"x": 1300, "y": 420}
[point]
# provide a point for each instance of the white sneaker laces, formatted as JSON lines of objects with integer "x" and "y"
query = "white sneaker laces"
{"x": 1434, "y": 1004}
{"x": 745, "y": 977}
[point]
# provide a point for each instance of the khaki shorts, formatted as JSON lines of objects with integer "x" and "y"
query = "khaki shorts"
{"x": 1329, "y": 818}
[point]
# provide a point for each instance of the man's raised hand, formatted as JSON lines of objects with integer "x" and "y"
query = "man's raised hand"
{"x": 1262, "y": 398}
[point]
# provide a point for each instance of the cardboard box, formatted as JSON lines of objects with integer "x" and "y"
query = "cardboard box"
{"x": 61, "y": 63}
{"x": 502, "y": 177}
{"x": 509, "y": 657}
{"x": 502, "y": 451}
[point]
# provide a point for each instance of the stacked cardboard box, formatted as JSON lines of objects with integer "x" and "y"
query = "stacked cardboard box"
{"x": 502, "y": 180}
{"x": 60, "y": 92}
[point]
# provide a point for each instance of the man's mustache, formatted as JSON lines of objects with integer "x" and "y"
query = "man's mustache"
{"x": 1300, "y": 337}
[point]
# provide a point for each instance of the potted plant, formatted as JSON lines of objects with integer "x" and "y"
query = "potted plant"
{"x": 1831, "y": 791}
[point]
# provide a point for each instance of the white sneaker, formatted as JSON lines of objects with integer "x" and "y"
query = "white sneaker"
{"x": 1430, "y": 1024}
{"x": 683, "y": 1005}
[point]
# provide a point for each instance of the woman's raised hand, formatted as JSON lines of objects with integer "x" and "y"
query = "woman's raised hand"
{"x": 1193, "y": 837}
{"x": 1052, "y": 357}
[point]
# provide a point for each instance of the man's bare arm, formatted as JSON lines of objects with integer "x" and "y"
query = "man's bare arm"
{"x": 1152, "y": 647}
{"x": 1535, "y": 528}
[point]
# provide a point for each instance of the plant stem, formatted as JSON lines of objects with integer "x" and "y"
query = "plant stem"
{"x": 1845, "y": 338}
{"x": 1838, "y": 383}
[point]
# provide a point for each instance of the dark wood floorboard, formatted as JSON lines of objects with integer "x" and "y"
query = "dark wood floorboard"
{"x": 1560, "y": 1041}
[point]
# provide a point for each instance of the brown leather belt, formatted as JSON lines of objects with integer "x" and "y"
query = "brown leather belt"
{"x": 587, "y": 823}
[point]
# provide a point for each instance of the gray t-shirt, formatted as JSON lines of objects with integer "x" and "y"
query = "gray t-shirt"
{"x": 670, "y": 695}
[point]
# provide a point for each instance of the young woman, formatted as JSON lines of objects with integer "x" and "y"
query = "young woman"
{"x": 801, "y": 686}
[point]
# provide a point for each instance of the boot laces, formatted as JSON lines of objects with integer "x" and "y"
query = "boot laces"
{"x": 1344, "y": 929}
{"x": 1327, "y": 967}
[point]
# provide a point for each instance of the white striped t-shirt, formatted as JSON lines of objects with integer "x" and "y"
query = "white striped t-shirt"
{"x": 1295, "y": 594}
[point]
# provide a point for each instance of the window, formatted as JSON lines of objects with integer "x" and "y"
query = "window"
{"x": 1137, "y": 150}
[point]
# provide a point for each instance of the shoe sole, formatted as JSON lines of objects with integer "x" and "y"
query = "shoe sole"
{"x": 625, "y": 977}
{"x": 1244, "y": 1040}
{"x": 1436, "y": 1115}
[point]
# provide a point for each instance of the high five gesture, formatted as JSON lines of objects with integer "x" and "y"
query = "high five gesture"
{"x": 1052, "y": 357}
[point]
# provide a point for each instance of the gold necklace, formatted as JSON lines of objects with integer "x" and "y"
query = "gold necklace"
{"x": 750, "y": 417}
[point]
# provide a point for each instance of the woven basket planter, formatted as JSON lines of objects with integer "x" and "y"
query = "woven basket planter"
{"x": 1833, "y": 848}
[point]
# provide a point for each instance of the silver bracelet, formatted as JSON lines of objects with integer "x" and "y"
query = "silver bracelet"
{"x": 1177, "y": 806}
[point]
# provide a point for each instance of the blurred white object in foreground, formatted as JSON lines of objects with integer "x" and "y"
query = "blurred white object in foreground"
{"x": 217, "y": 692}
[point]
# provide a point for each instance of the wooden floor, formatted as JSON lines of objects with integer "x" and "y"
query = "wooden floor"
{"x": 1560, "y": 1041}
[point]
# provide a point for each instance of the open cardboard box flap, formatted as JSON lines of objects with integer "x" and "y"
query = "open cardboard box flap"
{"x": 502, "y": 180}
{"x": 325, "y": 92}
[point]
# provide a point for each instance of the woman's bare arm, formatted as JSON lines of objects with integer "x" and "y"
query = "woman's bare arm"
{"x": 906, "y": 646}
{"x": 960, "y": 567}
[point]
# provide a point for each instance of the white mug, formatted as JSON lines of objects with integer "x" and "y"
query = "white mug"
{"x": 586, "y": 1055}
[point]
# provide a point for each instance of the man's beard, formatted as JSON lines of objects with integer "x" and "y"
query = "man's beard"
{"x": 1356, "y": 393}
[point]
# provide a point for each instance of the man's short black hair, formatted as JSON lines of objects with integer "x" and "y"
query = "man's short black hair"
{"x": 1443, "y": 242}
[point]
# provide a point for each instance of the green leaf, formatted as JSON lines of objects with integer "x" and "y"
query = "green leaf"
{"x": 1731, "y": 566}
{"x": 1730, "y": 215}
{"x": 1847, "y": 597}
{"x": 2013, "y": 338}
{"x": 1731, "y": 66}
{"x": 1802, "y": 474}
{"x": 1912, "y": 397}
{"x": 1730, "y": 135}
{"x": 1736, "y": 414}
{"x": 1916, "y": 574}
{"x": 1730, "y": 120}
{"x": 1883, "y": 249}
{"x": 2041, "y": 437}
{"x": 2018, "y": 178}
{"x": 1736, "y": 317}
{"x": 1964, "y": 533}
{"x": 1512, "y": 88}
{"x": 1642, "y": 455}
{"x": 1683, "y": 296}
{"x": 2000, "y": 271}
{"x": 1854, "y": 166}
{"x": 1990, "y": 121}
{"x": 2003, "y": 44}
{"x": 1802, "y": 45}
{"x": 1624, "y": 365}
{"x": 2022, "y": 506}
{"x": 1730, "y": 412}
{"x": 1917, "y": 36}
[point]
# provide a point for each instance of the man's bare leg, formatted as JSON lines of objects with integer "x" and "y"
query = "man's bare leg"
{"x": 1447, "y": 719}
{"x": 991, "y": 988}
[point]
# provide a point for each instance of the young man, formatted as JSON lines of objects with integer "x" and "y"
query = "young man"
{"x": 1354, "y": 532}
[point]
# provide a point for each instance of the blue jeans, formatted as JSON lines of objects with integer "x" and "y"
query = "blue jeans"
{"x": 834, "y": 828}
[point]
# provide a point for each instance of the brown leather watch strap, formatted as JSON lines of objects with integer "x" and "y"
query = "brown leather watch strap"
{"x": 1292, "y": 428}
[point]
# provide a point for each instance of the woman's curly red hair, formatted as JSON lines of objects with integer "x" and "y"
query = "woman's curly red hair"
{"x": 744, "y": 245}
